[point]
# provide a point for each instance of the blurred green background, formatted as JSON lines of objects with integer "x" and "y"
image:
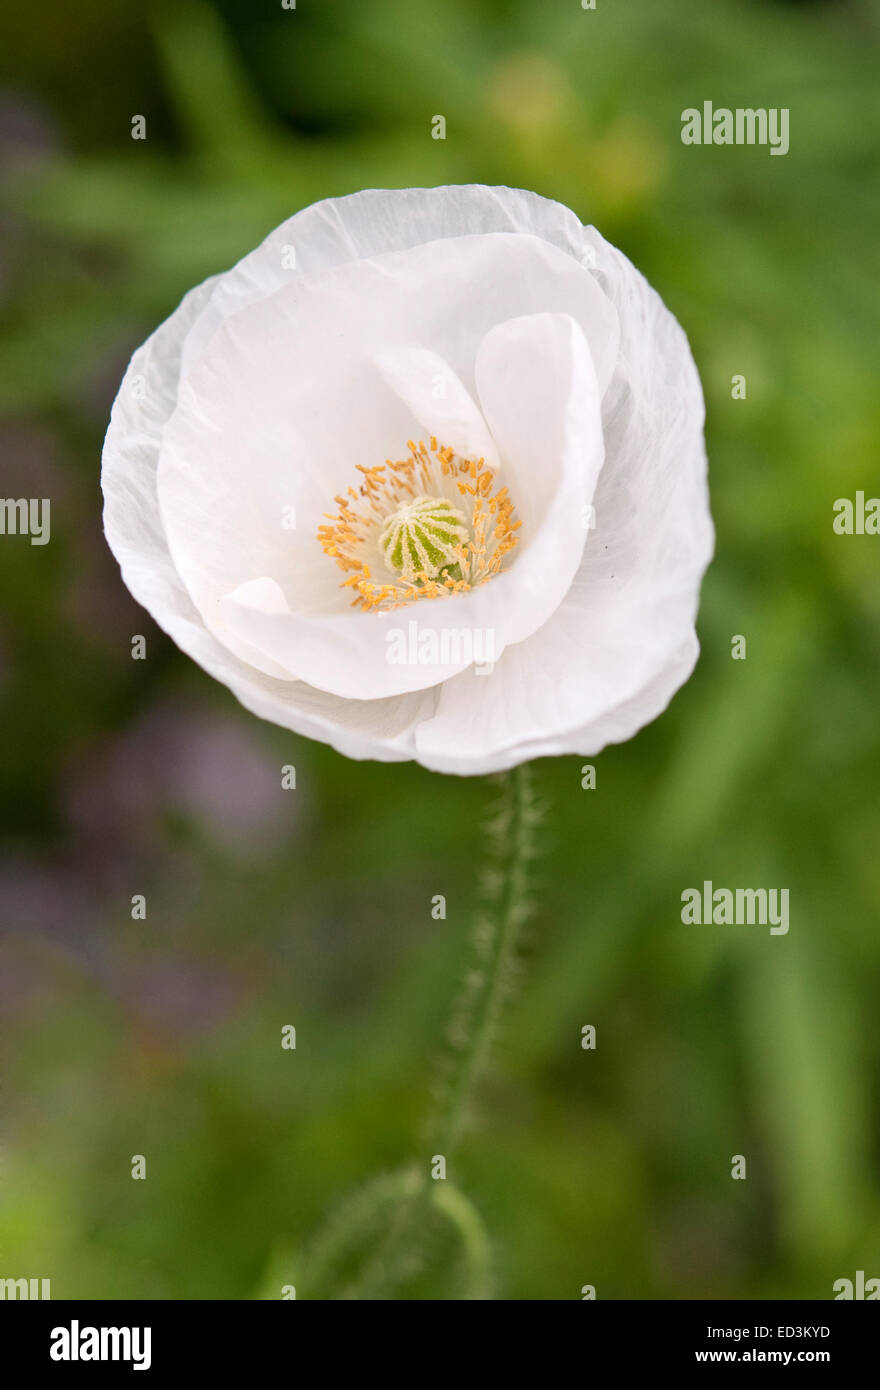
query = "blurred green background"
{"x": 310, "y": 907}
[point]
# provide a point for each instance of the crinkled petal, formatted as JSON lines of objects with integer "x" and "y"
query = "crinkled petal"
{"x": 258, "y": 430}
{"x": 372, "y": 223}
{"x": 440, "y": 401}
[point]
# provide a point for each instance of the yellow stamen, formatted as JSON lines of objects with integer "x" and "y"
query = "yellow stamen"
{"x": 437, "y": 537}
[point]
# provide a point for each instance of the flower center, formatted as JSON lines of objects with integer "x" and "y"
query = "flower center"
{"x": 432, "y": 521}
{"x": 424, "y": 537}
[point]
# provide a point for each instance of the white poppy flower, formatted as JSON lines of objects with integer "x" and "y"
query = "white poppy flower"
{"x": 422, "y": 477}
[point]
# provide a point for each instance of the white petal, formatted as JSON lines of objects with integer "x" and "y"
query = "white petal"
{"x": 439, "y": 400}
{"x": 380, "y": 729}
{"x": 372, "y": 223}
{"x": 622, "y": 641}
{"x": 592, "y": 675}
{"x": 288, "y": 400}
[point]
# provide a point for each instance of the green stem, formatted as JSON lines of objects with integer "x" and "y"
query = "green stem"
{"x": 487, "y": 984}
{"x": 475, "y": 1242}
{"x": 490, "y": 979}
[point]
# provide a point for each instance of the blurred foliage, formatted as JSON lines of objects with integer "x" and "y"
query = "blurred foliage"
{"x": 312, "y": 907}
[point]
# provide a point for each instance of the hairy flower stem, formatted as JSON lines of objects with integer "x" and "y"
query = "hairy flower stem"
{"x": 493, "y": 970}
{"x": 487, "y": 985}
